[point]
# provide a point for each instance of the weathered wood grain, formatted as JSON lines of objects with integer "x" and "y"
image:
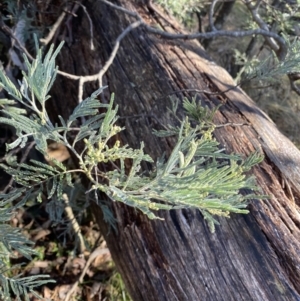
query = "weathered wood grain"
{"x": 251, "y": 257}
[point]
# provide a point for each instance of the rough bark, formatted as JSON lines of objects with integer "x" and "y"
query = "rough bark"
{"x": 249, "y": 257}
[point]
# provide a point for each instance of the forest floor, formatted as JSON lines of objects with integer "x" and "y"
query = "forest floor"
{"x": 58, "y": 255}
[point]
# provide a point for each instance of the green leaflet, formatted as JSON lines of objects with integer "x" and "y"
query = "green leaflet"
{"x": 196, "y": 175}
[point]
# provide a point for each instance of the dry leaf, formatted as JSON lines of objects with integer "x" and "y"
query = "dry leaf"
{"x": 57, "y": 151}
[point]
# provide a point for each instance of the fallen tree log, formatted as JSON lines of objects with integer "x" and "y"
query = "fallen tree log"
{"x": 249, "y": 257}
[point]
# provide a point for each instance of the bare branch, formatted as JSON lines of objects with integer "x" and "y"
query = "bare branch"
{"x": 117, "y": 44}
{"x": 216, "y": 33}
{"x": 211, "y": 15}
{"x": 53, "y": 29}
{"x": 98, "y": 76}
{"x": 282, "y": 51}
{"x": 68, "y": 75}
{"x": 6, "y": 29}
{"x": 277, "y": 49}
{"x": 256, "y": 17}
{"x": 76, "y": 228}
{"x": 140, "y": 22}
{"x": 219, "y": 33}
{"x": 91, "y": 25}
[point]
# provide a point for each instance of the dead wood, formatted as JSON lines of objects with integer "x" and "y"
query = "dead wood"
{"x": 251, "y": 257}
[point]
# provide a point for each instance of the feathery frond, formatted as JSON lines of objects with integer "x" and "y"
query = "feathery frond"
{"x": 197, "y": 174}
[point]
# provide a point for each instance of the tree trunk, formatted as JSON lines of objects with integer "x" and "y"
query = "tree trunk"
{"x": 249, "y": 257}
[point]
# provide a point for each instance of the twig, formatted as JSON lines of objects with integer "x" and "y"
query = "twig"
{"x": 208, "y": 35}
{"x": 53, "y": 29}
{"x": 97, "y": 252}
{"x": 74, "y": 223}
{"x": 140, "y": 22}
{"x": 211, "y": 15}
{"x": 12, "y": 35}
{"x": 91, "y": 25}
{"x": 219, "y": 33}
{"x": 98, "y": 76}
{"x": 116, "y": 47}
{"x": 256, "y": 17}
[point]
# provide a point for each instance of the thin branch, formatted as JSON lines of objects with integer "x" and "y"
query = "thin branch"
{"x": 258, "y": 20}
{"x": 91, "y": 25}
{"x": 256, "y": 17}
{"x": 74, "y": 223}
{"x": 6, "y": 29}
{"x": 117, "y": 45}
{"x": 53, "y": 29}
{"x": 68, "y": 75}
{"x": 98, "y": 76}
{"x": 211, "y": 15}
{"x": 218, "y": 33}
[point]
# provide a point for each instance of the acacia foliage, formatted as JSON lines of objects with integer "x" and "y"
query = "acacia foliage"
{"x": 197, "y": 174}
